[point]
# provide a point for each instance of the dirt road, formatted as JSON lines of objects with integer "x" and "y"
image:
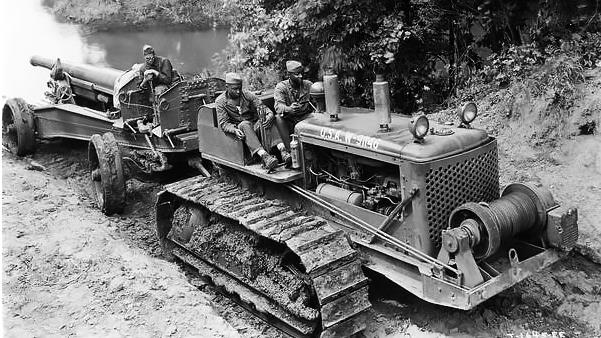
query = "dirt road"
{"x": 69, "y": 270}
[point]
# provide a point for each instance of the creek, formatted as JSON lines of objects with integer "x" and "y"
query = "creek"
{"x": 27, "y": 28}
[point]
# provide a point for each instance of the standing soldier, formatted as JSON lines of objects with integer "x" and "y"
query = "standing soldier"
{"x": 291, "y": 96}
{"x": 238, "y": 114}
{"x": 157, "y": 70}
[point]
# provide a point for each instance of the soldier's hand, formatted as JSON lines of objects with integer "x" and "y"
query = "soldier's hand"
{"x": 239, "y": 134}
{"x": 296, "y": 107}
{"x": 269, "y": 118}
{"x": 151, "y": 72}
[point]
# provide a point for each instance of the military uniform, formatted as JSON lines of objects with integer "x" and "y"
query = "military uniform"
{"x": 165, "y": 78}
{"x": 285, "y": 95}
{"x": 162, "y": 65}
{"x": 246, "y": 118}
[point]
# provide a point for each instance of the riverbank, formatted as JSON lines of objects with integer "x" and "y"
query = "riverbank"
{"x": 106, "y": 15}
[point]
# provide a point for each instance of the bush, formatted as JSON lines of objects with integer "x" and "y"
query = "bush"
{"x": 427, "y": 49}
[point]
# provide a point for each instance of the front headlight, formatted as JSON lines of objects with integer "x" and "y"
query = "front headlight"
{"x": 419, "y": 127}
{"x": 468, "y": 113}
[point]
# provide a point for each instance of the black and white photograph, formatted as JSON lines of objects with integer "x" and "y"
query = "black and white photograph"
{"x": 311, "y": 168}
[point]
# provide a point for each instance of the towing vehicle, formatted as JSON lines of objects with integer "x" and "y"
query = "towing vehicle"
{"x": 411, "y": 200}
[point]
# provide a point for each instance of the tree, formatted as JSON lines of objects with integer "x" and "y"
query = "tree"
{"x": 424, "y": 47}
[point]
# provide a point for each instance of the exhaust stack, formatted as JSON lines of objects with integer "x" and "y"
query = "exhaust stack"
{"x": 332, "y": 93}
{"x": 382, "y": 102}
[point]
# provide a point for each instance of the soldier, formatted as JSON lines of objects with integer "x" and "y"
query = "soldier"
{"x": 157, "y": 70}
{"x": 238, "y": 114}
{"x": 291, "y": 96}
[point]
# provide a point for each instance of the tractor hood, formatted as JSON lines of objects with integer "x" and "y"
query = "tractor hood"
{"x": 358, "y": 128}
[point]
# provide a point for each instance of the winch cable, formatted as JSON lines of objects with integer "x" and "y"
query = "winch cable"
{"x": 371, "y": 229}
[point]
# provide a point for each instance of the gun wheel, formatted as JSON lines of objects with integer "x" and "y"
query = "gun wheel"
{"x": 106, "y": 173}
{"x": 18, "y": 134}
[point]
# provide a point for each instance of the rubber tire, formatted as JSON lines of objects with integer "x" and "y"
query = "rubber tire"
{"x": 20, "y": 141}
{"x": 106, "y": 173}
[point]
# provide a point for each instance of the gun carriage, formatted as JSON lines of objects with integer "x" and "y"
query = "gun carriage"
{"x": 131, "y": 133}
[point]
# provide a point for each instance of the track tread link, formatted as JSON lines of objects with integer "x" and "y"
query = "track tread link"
{"x": 331, "y": 263}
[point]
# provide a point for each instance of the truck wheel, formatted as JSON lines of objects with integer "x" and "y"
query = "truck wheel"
{"x": 18, "y": 133}
{"x": 106, "y": 172}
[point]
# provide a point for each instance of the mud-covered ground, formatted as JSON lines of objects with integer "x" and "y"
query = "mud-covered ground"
{"x": 69, "y": 270}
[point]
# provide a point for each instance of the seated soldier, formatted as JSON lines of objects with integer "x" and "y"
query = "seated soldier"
{"x": 156, "y": 70}
{"x": 291, "y": 96}
{"x": 238, "y": 114}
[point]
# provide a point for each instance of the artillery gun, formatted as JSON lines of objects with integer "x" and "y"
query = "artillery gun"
{"x": 407, "y": 199}
{"x": 131, "y": 133}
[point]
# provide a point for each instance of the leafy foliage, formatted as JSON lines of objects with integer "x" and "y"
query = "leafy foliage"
{"x": 426, "y": 49}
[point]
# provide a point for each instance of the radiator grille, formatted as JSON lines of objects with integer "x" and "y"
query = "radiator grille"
{"x": 468, "y": 179}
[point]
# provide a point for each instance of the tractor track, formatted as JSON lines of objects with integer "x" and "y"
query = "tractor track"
{"x": 333, "y": 268}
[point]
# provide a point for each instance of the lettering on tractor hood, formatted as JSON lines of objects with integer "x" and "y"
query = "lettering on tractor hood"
{"x": 358, "y": 128}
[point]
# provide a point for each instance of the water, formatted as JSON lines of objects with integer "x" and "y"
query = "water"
{"x": 27, "y": 29}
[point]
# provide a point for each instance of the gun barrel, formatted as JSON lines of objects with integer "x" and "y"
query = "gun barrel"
{"x": 102, "y": 78}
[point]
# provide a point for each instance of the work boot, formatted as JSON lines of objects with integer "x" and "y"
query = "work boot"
{"x": 269, "y": 161}
{"x": 286, "y": 157}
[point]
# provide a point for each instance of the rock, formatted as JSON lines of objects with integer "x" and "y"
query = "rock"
{"x": 116, "y": 284}
{"x": 170, "y": 330}
{"x": 33, "y": 165}
{"x": 39, "y": 196}
{"x": 488, "y": 316}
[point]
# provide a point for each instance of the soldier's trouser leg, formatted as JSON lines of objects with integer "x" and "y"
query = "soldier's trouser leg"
{"x": 250, "y": 137}
{"x": 282, "y": 126}
{"x": 292, "y": 120}
{"x": 273, "y": 136}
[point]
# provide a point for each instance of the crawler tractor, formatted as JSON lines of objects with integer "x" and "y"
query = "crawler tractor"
{"x": 410, "y": 200}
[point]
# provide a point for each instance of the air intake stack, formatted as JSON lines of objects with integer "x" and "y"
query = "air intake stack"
{"x": 382, "y": 102}
{"x": 332, "y": 93}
